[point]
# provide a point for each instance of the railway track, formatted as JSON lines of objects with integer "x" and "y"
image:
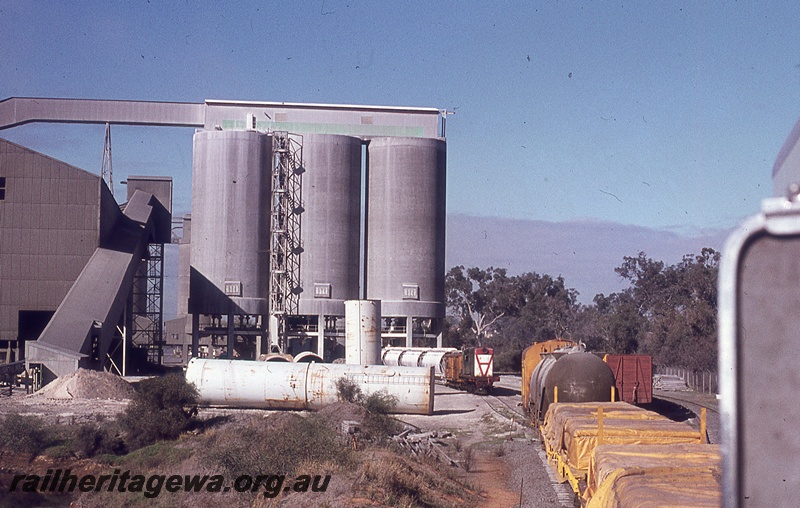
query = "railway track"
{"x": 508, "y": 408}
{"x": 688, "y": 401}
{"x": 694, "y": 402}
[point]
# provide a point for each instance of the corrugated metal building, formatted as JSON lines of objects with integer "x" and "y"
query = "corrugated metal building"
{"x": 50, "y": 225}
{"x": 69, "y": 257}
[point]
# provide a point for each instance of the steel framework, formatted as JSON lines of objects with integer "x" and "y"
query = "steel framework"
{"x": 285, "y": 242}
{"x": 106, "y": 172}
{"x": 148, "y": 312}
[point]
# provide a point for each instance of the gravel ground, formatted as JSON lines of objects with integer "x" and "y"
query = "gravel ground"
{"x": 62, "y": 411}
{"x": 472, "y": 419}
{"x": 528, "y": 463}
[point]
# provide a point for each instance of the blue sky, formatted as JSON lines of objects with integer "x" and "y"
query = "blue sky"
{"x": 666, "y": 115}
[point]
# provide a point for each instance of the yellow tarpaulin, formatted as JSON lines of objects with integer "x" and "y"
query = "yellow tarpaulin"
{"x": 581, "y": 435}
{"x": 608, "y": 458}
{"x": 686, "y": 475}
{"x": 571, "y": 430}
{"x": 559, "y": 414}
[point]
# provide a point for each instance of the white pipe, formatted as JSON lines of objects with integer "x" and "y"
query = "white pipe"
{"x": 362, "y": 328}
{"x": 278, "y": 385}
{"x": 417, "y": 357}
{"x": 308, "y": 356}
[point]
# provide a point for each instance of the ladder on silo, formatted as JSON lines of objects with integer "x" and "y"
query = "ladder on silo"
{"x": 285, "y": 241}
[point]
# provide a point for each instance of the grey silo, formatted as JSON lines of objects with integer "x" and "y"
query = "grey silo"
{"x": 230, "y": 222}
{"x": 406, "y": 226}
{"x": 330, "y": 224}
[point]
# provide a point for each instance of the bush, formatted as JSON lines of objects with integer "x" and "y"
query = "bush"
{"x": 26, "y": 434}
{"x": 379, "y": 403}
{"x": 275, "y": 445}
{"x": 162, "y": 408}
{"x": 499, "y": 450}
{"x": 348, "y": 390}
{"x": 159, "y": 456}
{"x": 468, "y": 462}
{"x": 377, "y": 425}
{"x": 91, "y": 440}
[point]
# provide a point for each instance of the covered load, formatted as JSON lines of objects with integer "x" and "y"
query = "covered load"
{"x": 562, "y": 414}
{"x": 571, "y": 432}
{"x": 654, "y": 475}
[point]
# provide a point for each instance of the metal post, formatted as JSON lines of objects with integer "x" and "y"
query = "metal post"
{"x": 274, "y": 338}
{"x": 321, "y": 336}
{"x": 126, "y": 336}
{"x": 703, "y": 426}
{"x": 195, "y": 335}
{"x": 106, "y": 172}
{"x": 261, "y": 340}
{"x": 231, "y": 335}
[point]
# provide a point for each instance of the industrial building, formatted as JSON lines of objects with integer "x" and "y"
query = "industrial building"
{"x": 70, "y": 260}
{"x": 296, "y": 208}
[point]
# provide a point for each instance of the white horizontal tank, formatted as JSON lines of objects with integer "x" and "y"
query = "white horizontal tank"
{"x": 289, "y": 385}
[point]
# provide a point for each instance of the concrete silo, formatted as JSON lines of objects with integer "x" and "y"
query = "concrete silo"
{"x": 229, "y": 279}
{"x": 330, "y": 238}
{"x": 405, "y": 245}
{"x": 331, "y": 223}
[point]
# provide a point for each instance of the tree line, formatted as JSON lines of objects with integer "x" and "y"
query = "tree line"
{"x": 667, "y": 311}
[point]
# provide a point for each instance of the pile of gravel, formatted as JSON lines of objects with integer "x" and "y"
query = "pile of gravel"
{"x": 88, "y": 384}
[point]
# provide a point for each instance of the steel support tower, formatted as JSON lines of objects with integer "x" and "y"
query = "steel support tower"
{"x": 285, "y": 242}
{"x": 148, "y": 312}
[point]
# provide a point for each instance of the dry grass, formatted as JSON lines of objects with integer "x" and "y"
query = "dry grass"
{"x": 393, "y": 480}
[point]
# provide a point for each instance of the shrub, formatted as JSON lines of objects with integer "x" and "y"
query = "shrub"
{"x": 159, "y": 456}
{"x": 468, "y": 461}
{"x": 398, "y": 483}
{"x": 402, "y": 481}
{"x": 162, "y": 408}
{"x": 91, "y": 440}
{"x": 348, "y": 390}
{"x": 26, "y": 434}
{"x": 275, "y": 445}
{"x": 376, "y": 403}
{"x": 378, "y": 424}
{"x": 379, "y": 403}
